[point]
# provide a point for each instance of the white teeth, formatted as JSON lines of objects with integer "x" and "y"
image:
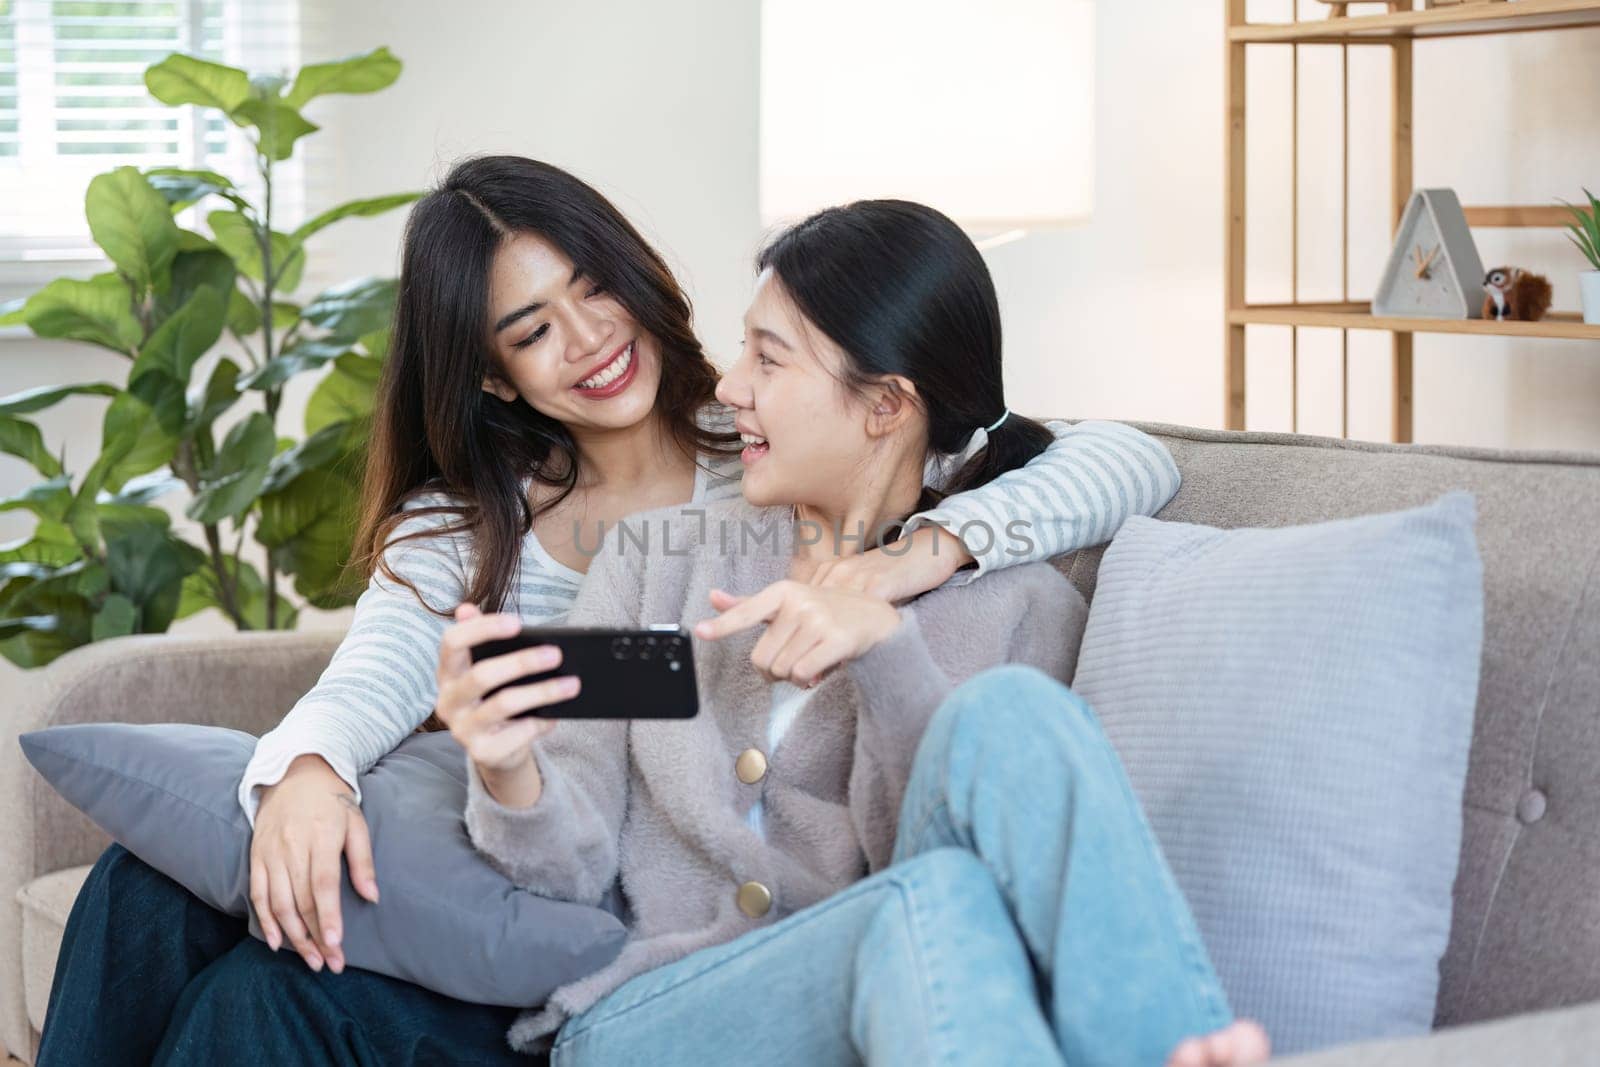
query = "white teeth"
{"x": 614, "y": 370}
{"x": 752, "y": 439}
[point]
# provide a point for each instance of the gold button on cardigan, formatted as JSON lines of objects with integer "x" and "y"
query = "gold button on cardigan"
{"x": 755, "y": 899}
{"x": 751, "y": 766}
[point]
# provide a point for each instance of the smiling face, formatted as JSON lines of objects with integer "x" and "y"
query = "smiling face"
{"x": 808, "y": 439}
{"x": 563, "y": 344}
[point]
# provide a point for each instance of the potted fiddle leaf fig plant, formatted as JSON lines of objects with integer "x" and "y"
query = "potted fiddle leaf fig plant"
{"x": 102, "y": 561}
{"x": 1585, "y": 233}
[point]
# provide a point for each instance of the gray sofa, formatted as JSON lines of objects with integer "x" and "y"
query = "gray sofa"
{"x": 1521, "y": 978}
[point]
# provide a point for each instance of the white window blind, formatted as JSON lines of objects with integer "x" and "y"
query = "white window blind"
{"x": 73, "y": 104}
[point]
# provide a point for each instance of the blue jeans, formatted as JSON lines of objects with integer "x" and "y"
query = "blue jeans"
{"x": 1028, "y": 918}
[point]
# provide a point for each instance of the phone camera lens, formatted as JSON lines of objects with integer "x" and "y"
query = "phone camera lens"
{"x": 620, "y": 647}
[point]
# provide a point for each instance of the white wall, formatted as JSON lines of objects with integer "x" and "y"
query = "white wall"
{"x": 1123, "y": 317}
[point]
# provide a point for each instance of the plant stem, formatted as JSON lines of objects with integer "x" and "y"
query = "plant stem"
{"x": 273, "y": 397}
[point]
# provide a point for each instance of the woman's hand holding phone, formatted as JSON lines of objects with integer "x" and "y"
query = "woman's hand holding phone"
{"x": 499, "y": 744}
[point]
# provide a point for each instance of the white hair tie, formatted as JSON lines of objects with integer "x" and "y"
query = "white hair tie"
{"x": 1003, "y": 417}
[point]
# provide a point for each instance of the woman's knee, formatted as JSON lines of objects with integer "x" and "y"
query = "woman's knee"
{"x": 128, "y": 884}
{"x": 1020, "y": 710}
{"x": 942, "y": 882}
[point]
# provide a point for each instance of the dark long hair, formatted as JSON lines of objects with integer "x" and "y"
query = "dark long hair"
{"x": 904, "y": 291}
{"x": 434, "y": 428}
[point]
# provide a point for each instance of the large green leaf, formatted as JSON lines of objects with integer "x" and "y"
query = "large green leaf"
{"x": 99, "y": 310}
{"x": 138, "y": 436}
{"x": 142, "y": 561}
{"x": 220, "y": 392}
{"x": 21, "y": 438}
{"x": 31, "y": 400}
{"x": 181, "y": 79}
{"x": 366, "y": 73}
{"x": 48, "y": 499}
{"x": 353, "y": 309}
{"x": 324, "y": 448}
{"x": 202, "y": 268}
{"x": 297, "y": 358}
{"x": 231, "y": 486}
{"x": 181, "y": 188}
{"x": 133, "y": 223}
{"x": 375, "y": 206}
{"x": 143, "y": 489}
{"x": 278, "y": 124}
{"x": 345, "y": 395}
{"x": 51, "y": 542}
{"x": 309, "y": 525}
{"x": 117, "y": 616}
{"x": 236, "y": 235}
{"x": 179, "y": 342}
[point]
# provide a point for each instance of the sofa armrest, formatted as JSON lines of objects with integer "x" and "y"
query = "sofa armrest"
{"x": 246, "y": 681}
{"x": 1564, "y": 1035}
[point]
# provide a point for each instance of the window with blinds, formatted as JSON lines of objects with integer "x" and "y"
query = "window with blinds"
{"x": 73, "y": 104}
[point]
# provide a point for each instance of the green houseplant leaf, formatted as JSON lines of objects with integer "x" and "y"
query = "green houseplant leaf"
{"x": 182, "y": 188}
{"x": 133, "y": 224}
{"x": 21, "y": 438}
{"x": 181, "y": 79}
{"x": 31, "y": 400}
{"x": 237, "y": 236}
{"x": 98, "y": 310}
{"x": 373, "y": 206}
{"x": 278, "y": 124}
{"x": 354, "y": 309}
{"x": 182, "y": 339}
{"x": 232, "y": 484}
{"x": 365, "y": 73}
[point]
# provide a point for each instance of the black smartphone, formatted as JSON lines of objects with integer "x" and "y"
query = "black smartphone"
{"x": 625, "y": 674}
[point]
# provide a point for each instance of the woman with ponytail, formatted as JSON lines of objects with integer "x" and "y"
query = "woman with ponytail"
{"x": 893, "y": 870}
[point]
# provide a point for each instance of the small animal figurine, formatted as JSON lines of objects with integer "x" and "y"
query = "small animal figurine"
{"x": 1514, "y": 293}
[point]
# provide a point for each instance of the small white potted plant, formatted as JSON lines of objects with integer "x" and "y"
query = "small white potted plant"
{"x": 1585, "y": 233}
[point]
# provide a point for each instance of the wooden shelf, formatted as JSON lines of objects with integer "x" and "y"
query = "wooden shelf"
{"x": 1513, "y": 16}
{"x": 1359, "y": 317}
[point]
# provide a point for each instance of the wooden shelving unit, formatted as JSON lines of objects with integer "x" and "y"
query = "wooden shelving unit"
{"x": 1399, "y": 32}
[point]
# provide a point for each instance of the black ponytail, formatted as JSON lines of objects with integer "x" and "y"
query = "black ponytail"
{"x": 903, "y": 291}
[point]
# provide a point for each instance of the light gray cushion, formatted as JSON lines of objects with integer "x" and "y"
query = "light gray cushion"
{"x": 1294, "y": 707}
{"x": 445, "y": 919}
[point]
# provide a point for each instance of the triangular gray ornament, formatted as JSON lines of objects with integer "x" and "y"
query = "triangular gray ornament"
{"x": 1434, "y": 271}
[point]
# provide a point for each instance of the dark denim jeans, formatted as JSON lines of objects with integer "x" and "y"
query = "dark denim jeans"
{"x": 149, "y": 974}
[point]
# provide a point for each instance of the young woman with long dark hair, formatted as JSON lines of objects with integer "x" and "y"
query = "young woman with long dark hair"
{"x": 543, "y": 382}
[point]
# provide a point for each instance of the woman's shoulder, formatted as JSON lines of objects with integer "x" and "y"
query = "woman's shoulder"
{"x": 1029, "y": 594}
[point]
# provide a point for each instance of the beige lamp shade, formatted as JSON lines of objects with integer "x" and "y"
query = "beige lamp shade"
{"x": 982, "y": 110}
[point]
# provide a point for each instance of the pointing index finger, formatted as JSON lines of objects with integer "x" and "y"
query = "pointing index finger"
{"x": 748, "y": 612}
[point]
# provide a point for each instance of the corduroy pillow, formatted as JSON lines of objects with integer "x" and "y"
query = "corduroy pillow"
{"x": 1294, "y": 707}
{"x": 446, "y": 919}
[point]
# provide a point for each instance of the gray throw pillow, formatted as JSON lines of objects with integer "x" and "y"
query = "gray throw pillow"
{"x": 1294, "y": 708}
{"x": 445, "y": 920}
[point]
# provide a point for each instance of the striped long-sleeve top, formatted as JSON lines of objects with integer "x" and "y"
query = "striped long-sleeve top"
{"x": 381, "y": 682}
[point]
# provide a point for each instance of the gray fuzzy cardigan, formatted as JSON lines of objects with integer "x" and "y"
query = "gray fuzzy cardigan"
{"x": 658, "y": 803}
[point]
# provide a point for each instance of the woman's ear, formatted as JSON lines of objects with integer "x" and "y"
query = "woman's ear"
{"x": 892, "y": 403}
{"x": 498, "y": 386}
